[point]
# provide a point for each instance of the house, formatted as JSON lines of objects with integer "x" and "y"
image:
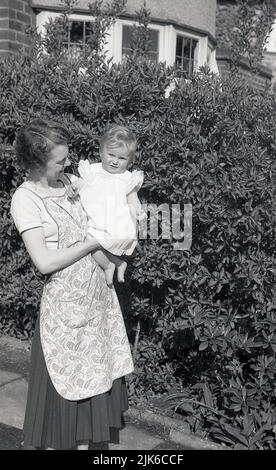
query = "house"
{"x": 184, "y": 32}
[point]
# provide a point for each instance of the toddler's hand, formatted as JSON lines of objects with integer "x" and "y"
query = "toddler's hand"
{"x": 70, "y": 191}
{"x": 75, "y": 187}
{"x": 78, "y": 184}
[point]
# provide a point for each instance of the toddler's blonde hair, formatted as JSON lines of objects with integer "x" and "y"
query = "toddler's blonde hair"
{"x": 119, "y": 136}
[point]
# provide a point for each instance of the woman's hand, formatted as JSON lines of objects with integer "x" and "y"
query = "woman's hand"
{"x": 48, "y": 261}
{"x": 92, "y": 244}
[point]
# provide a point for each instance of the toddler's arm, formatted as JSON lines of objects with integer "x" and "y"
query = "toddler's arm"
{"x": 135, "y": 206}
{"x": 135, "y": 183}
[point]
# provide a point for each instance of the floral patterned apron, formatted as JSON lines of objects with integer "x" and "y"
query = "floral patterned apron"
{"x": 82, "y": 330}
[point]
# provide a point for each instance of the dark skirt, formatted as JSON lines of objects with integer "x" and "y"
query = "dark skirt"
{"x": 53, "y": 421}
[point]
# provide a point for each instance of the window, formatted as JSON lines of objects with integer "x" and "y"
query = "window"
{"x": 186, "y": 53}
{"x": 154, "y": 42}
{"x": 78, "y": 34}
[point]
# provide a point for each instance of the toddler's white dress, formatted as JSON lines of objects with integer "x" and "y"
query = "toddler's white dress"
{"x": 111, "y": 220}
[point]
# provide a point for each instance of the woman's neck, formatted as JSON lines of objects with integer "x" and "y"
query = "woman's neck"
{"x": 42, "y": 181}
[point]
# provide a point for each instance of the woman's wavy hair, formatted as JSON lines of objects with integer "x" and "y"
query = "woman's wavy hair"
{"x": 35, "y": 141}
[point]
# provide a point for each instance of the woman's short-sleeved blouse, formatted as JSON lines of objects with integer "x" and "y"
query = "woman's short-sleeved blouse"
{"x": 28, "y": 211}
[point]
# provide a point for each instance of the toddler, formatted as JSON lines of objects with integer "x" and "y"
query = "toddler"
{"x": 108, "y": 193}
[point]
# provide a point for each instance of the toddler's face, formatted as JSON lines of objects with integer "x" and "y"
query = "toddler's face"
{"x": 115, "y": 159}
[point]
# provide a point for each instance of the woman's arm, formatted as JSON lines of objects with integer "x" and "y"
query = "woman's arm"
{"x": 48, "y": 261}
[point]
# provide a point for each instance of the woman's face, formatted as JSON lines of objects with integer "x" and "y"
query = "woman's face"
{"x": 57, "y": 161}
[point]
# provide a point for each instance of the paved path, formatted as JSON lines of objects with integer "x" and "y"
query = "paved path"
{"x": 13, "y": 394}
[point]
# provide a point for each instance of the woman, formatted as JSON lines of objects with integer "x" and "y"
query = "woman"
{"x": 80, "y": 351}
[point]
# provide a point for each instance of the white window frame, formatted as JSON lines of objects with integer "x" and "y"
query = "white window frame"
{"x": 80, "y": 18}
{"x": 271, "y": 40}
{"x": 212, "y": 63}
{"x": 114, "y": 38}
{"x": 41, "y": 19}
{"x": 117, "y": 34}
{"x": 201, "y": 50}
{"x": 44, "y": 16}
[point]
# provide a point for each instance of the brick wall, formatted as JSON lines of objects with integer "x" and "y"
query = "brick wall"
{"x": 226, "y": 18}
{"x": 270, "y": 60}
{"x": 15, "y": 17}
{"x": 259, "y": 80}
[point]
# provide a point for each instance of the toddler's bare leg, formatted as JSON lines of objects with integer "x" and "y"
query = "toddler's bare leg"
{"x": 121, "y": 266}
{"x": 109, "y": 262}
{"x": 108, "y": 266}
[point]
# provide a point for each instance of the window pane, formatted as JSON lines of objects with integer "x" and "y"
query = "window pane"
{"x": 78, "y": 36}
{"x": 127, "y": 36}
{"x": 153, "y": 46}
{"x": 187, "y": 47}
{"x": 75, "y": 51}
{"x": 194, "y": 46}
{"x": 179, "y": 42}
{"x": 126, "y": 52}
{"x": 88, "y": 29}
{"x": 185, "y": 53}
{"x": 153, "y": 56}
{"x": 186, "y": 65}
{"x": 76, "y": 32}
{"x": 178, "y": 62}
{"x": 154, "y": 40}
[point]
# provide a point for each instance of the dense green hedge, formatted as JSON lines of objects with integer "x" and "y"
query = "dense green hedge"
{"x": 201, "y": 322}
